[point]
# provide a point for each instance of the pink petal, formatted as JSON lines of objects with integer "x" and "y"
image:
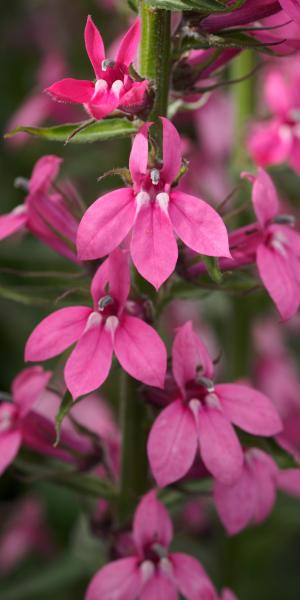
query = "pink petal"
{"x": 191, "y": 579}
{"x": 112, "y": 277}
{"x": 140, "y": 351}
{"x": 153, "y": 246}
{"x": 270, "y": 143}
{"x": 292, "y": 8}
{"x": 45, "y": 171}
{"x": 188, "y": 353}
{"x": 265, "y": 486}
{"x": 159, "y": 587}
{"x": 294, "y": 158}
{"x": 227, "y": 594}
{"x": 264, "y": 197}
{"x": 289, "y": 481}
{"x": 119, "y": 579}
{"x": 89, "y": 364}
{"x": 152, "y": 523}
{"x": 28, "y": 387}
{"x": 105, "y": 224}
{"x": 135, "y": 98}
{"x": 171, "y": 151}
{"x": 79, "y": 91}
{"x": 129, "y": 44}
{"x": 279, "y": 280}
{"x": 293, "y": 238}
{"x": 172, "y": 444}
{"x": 235, "y": 503}
{"x": 11, "y": 223}
{"x": 277, "y": 93}
{"x": 10, "y": 442}
{"x": 219, "y": 445}
{"x": 198, "y": 225}
{"x": 56, "y": 332}
{"x": 94, "y": 46}
{"x": 249, "y": 409}
{"x": 138, "y": 159}
{"x": 102, "y": 104}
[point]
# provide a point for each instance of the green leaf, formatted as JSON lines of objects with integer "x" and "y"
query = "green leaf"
{"x": 65, "y": 407}
{"x": 99, "y": 131}
{"x": 202, "y": 6}
{"x": 223, "y": 40}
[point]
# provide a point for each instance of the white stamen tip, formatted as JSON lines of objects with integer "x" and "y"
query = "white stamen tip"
{"x": 21, "y": 209}
{"x": 111, "y": 324}
{"x": 163, "y": 200}
{"x": 100, "y": 86}
{"x": 6, "y": 421}
{"x": 142, "y": 199}
{"x": 195, "y": 406}
{"x": 147, "y": 570}
{"x": 165, "y": 566}
{"x": 94, "y": 320}
{"x": 213, "y": 401}
{"x": 117, "y": 87}
{"x": 278, "y": 243}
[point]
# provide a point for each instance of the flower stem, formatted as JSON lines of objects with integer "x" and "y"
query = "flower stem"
{"x": 244, "y": 103}
{"x": 155, "y": 54}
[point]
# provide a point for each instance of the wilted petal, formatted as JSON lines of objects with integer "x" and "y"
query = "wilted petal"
{"x": 159, "y": 587}
{"x": 138, "y": 159}
{"x": 94, "y": 46}
{"x": 129, "y": 44}
{"x": 72, "y": 90}
{"x": 152, "y": 523}
{"x": 279, "y": 280}
{"x": 10, "y": 443}
{"x": 140, "y": 351}
{"x": 235, "y": 503}
{"x": 89, "y": 364}
{"x": 191, "y": 579}
{"x": 172, "y": 443}
{"x": 188, "y": 353}
{"x": 264, "y": 197}
{"x": 119, "y": 579}
{"x": 153, "y": 246}
{"x": 112, "y": 277}
{"x": 56, "y": 332}
{"x": 171, "y": 151}
{"x": 11, "y": 223}
{"x": 105, "y": 224}
{"x": 219, "y": 445}
{"x": 249, "y": 409}
{"x": 28, "y": 386}
{"x": 198, "y": 225}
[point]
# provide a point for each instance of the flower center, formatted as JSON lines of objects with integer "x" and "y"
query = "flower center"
{"x": 278, "y": 242}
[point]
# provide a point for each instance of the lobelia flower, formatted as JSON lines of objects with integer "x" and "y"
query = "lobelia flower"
{"x": 46, "y": 212}
{"x": 152, "y": 572}
{"x": 99, "y": 331}
{"x": 114, "y": 88}
{"x": 228, "y": 594}
{"x": 154, "y": 212}
{"x": 204, "y": 415}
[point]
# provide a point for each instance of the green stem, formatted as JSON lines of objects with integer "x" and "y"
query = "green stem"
{"x": 155, "y": 54}
{"x": 244, "y": 102}
{"x": 133, "y": 481}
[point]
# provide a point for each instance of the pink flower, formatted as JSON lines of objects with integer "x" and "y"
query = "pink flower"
{"x": 152, "y": 572}
{"x": 113, "y": 88}
{"x": 153, "y": 212}
{"x": 278, "y": 247}
{"x": 45, "y": 211}
{"x": 27, "y": 388}
{"x": 228, "y": 594}
{"x": 99, "y": 331}
{"x": 292, "y": 8}
{"x": 203, "y": 416}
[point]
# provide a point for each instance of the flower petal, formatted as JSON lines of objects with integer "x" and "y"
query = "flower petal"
{"x": 219, "y": 445}
{"x": 138, "y": 159}
{"x": 10, "y": 443}
{"x": 270, "y": 143}
{"x": 279, "y": 280}
{"x": 191, "y": 579}
{"x": 288, "y": 481}
{"x": 11, "y": 223}
{"x": 153, "y": 246}
{"x": 188, "y": 353}
{"x": 119, "y": 579}
{"x": 198, "y": 225}
{"x": 89, "y": 364}
{"x": 292, "y": 8}
{"x": 105, "y": 224}
{"x": 79, "y": 91}
{"x": 28, "y": 387}
{"x": 172, "y": 443}
{"x": 94, "y": 46}
{"x": 141, "y": 351}
{"x": 171, "y": 151}
{"x": 56, "y": 332}
{"x": 112, "y": 277}
{"x": 127, "y": 50}
{"x": 265, "y": 480}
{"x": 44, "y": 171}
{"x": 264, "y": 197}
{"x": 249, "y": 409}
{"x": 152, "y": 523}
{"x": 235, "y": 503}
{"x": 159, "y": 587}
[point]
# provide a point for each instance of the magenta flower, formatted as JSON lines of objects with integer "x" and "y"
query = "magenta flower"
{"x": 27, "y": 389}
{"x": 292, "y": 8}
{"x": 99, "y": 331}
{"x": 45, "y": 211}
{"x": 278, "y": 248}
{"x": 113, "y": 88}
{"x": 203, "y": 416}
{"x": 152, "y": 572}
{"x": 153, "y": 212}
